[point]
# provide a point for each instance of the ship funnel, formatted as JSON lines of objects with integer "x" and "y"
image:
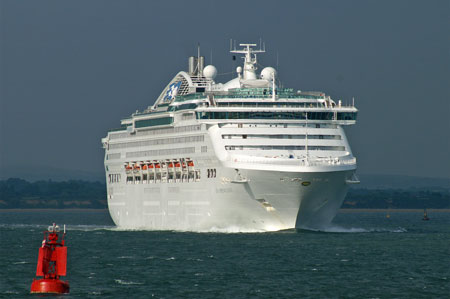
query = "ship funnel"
{"x": 192, "y": 64}
{"x": 196, "y": 65}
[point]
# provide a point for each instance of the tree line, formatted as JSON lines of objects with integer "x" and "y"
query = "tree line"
{"x": 420, "y": 198}
{"x": 20, "y": 194}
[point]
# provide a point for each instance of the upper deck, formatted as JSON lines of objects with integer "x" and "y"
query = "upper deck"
{"x": 248, "y": 97}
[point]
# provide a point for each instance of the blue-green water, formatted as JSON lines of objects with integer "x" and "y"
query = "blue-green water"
{"x": 364, "y": 255}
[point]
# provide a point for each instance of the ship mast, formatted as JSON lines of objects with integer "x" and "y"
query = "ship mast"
{"x": 249, "y": 61}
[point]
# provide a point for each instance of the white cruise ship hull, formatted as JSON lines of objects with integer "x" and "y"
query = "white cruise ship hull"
{"x": 244, "y": 155}
{"x": 255, "y": 201}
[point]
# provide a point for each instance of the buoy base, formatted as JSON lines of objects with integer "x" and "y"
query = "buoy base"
{"x": 49, "y": 286}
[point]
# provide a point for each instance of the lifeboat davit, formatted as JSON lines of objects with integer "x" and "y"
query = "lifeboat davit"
{"x": 52, "y": 263}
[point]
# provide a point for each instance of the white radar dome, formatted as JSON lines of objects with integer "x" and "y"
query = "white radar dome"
{"x": 268, "y": 73}
{"x": 210, "y": 71}
{"x": 239, "y": 70}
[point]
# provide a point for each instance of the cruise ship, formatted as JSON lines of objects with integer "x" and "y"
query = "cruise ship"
{"x": 243, "y": 155}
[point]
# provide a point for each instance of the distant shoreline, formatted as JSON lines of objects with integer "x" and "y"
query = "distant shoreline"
{"x": 344, "y": 211}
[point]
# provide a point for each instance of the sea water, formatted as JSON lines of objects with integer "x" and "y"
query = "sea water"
{"x": 362, "y": 255}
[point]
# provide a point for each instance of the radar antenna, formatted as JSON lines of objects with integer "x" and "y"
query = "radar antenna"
{"x": 250, "y": 59}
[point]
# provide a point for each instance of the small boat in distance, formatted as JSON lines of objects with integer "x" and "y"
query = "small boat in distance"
{"x": 425, "y": 215}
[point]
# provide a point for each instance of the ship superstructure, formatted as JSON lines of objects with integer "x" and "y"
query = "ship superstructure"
{"x": 244, "y": 155}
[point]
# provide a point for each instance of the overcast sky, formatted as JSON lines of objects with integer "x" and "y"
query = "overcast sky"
{"x": 70, "y": 70}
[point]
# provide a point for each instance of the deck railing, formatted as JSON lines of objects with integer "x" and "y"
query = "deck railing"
{"x": 298, "y": 161}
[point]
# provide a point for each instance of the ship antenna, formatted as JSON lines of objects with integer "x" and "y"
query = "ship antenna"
{"x": 277, "y": 61}
{"x": 198, "y": 59}
{"x": 273, "y": 86}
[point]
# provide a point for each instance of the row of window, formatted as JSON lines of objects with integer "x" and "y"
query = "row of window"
{"x": 163, "y": 177}
{"x": 114, "y": 178}
{"x": 161, "y": 131}
{"x": 276, "y": 104}
{"x": 153, "y": 122}
{"x": 282, "y": 147}
{"x": 182, "y": 107}
{"x": 211, "y": 173}
{"x": 277, "y": 115}
{"x": 161, "y": 152}
{"x": 113, "y": 156}
{"x": 184, "y": 139}
{"x": 278, "y": 136}
{"x": 280, "y": 125}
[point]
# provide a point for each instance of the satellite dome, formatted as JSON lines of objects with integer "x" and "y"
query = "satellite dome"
{"x": 239, "y": 69}
{"x": 210, "y": 71}
{"x": 268, "y": 73}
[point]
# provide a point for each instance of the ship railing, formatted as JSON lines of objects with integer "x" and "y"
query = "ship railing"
{"x": 300, "y": 161}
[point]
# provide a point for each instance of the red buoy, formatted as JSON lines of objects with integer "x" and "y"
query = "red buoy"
{"x": 52, "y": 263}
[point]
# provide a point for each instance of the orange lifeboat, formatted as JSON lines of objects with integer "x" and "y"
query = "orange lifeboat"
{"x": 177, "y": 164}
{"x": 170, "y": 165}
{"x": 150, "y": 165}
{"x": 190, "y": 164}
{"x": 157, "y": 165}
{"x": 128, "y": 167}
{"x": 144, "y": 167}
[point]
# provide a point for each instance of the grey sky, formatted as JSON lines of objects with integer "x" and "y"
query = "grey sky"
{"x": 70, "y": 70}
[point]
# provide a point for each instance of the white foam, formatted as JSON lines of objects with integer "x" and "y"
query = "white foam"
{"x": 339, "y": 229}
{"x": 88, "y": 228}
{"x": 214, "y": 229}
{"x": 120, "y": 281}
{"x": 232, "y": 230}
